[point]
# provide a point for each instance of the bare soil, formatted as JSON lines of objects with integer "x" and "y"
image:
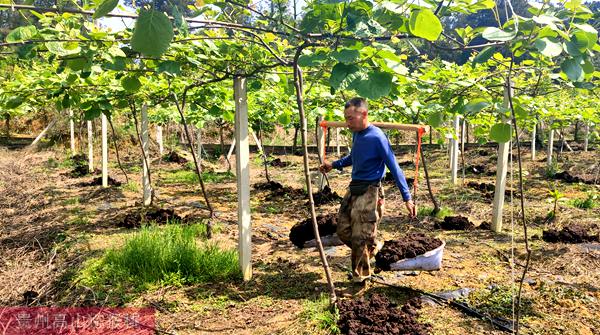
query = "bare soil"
{"x": 303, "y": 231}
{"x": 574, "y": 233}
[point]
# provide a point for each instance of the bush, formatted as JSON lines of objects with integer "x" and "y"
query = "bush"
{"x": 588, "y": 203}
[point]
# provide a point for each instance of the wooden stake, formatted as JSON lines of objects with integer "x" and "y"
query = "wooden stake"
{"x": 321, "y": 151}
{"x": 242, "y": 168}
{"x": 231, "y": 147}
{"x": 454, "y": 150}
{"x": 501, "y": 169}
{"x": 533, "y": 134}
{"x": 43, "y": 133}
{"x": 586, "y": 135}
{"x": 90, "y": 140}
{"x": 199, "y": 146}
{"x": 159, "y": 139}
{"x": 147, "y": 190}
{"x": 72, "y": 131}
{"x": 337, "y": 141}
{"x": 104, "y": 151}
{"x": 550, "y": 147}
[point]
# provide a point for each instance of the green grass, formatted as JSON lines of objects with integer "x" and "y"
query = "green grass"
{"x": 498, "y": 301}
{"x": 428, "y": 211}
{"x": 588, "y": 202}
{"x": 319, "y": 314}
{"x": 159, "y": 256}
{"x": 190, "y": 177}
{"x": 131, "y": 186}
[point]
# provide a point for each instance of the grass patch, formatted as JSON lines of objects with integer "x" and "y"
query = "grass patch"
{"x": 588, "y": 202}
{"x": 190, "y": 177}
{"x": 320, "y": 315}
{"x": 496, "y": 301}
{"x": 428, "y": 211}
{"x": 159, "y": 256}
{"x": 131, "y": 186}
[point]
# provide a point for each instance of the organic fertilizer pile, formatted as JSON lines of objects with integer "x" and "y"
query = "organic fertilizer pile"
{"x": 302, "y": 232}
{"x": 174, "y": 157}
{"x": 326, "y": 196}
{"x": 80, "y": 166}
{"x": 156, "y": 215}
{"x": 410, "y": 246}
{"x": 378, "y": 315}
{"x": 455, "y": 223}
{"x": 98, "y": 182}
{"x": 277, "y": 162}
{"x": 569, "y": 178}
{"x": 574, "y": 233}
{"x": 278, "y": 191}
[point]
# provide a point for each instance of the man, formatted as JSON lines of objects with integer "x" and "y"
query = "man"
{"x": 362, "y": 206}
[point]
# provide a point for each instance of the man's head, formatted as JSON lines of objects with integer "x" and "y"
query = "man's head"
{"x": 355, "y": 113}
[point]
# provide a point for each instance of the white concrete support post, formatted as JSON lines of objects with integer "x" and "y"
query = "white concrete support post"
{"x": 147, "y": 188}
{"x": 337, "y": 141}
{"x": 586, "y": 135}
{"x": 159, "y": 140}
{"x": 242, "y": 168}
{"x": 550, "y": 148}
{"x": 533, "y": 134}
{"x": 72, "y": 131}
{"x": 199, "y": 147}
{"x": 104, "y": 151}
{"x": 90, "y": 140}
{"x": 454, "y": 150}
{"x": 321, "y": 149}
{"x": 501, "y": 169}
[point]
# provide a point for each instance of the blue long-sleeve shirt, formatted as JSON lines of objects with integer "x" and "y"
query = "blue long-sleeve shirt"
{"x": 371, "y": 153}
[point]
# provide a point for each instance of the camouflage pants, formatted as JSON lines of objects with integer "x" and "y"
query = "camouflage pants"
{"x": 358, "y": 218}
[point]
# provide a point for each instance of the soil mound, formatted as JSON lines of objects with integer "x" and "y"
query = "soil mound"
{"x": 278, "y": 191}
{"x": 326, "y": 196}
{"x": 569, "y": 178}
{"x": 572, "y": 234}
{"x": 303, "y": 231}
{"x": 277, "y": 162}
{"x": 98, "y": 182}
{"x": 80, "y": 166}
{"x": 455, "y": 223}
{"x": 157, "y": 215}
{"x": 410, "y": 246}
{"x": 174, "y": 157}
{"x": 378, "y": 315}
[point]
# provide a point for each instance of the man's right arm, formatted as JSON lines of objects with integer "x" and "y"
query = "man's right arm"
{"x": 342, "y": 162}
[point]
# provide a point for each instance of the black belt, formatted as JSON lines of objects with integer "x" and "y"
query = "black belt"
{"x": 360, "y": 187}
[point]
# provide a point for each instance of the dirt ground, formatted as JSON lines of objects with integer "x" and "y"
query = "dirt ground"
{"x": 50, "y": 225}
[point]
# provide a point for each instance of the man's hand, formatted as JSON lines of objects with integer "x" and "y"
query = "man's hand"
{"x": 325, "y": 167}
{"x": 411, "y": 208}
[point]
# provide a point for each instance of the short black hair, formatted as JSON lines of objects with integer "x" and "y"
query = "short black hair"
{"x": 357, "y": 102}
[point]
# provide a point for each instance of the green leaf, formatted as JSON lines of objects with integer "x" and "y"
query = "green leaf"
{"x": 495, "y": 34}
{"x": 339, "y": 73}
{"x": 169, "y": 67}
{"x": 548, "y": 47}
{"x": 435, "y": 119}
{"x": 378, "y": 84}
{"x": 346, "y": 56}
{"x": 62, "y": 48}
{"x": 501, "y": 132}
{"x": 21, "y": 34}
{"x": 423, "y": 23}
{"x": 476, "y": 105}
{"x": 131, "y": 84}
{"x": 314, "y": 59}
{"x": 14, "y": 102}
{"x": 92, "y": 113}
{"x": 152, "y": 34}
{"x": 78, "y": 64}
{"x": 484, "y": 55}
{"x": 572, "y": 68}
{"x": 104, "y": 8}
{"x": 284, "y": 119}
{"x": 591, "y": 33}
